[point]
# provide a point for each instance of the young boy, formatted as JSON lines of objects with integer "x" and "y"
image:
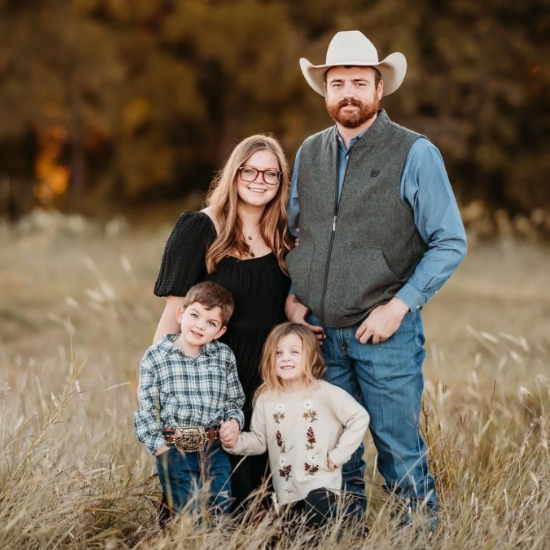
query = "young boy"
{"x": 188, "y": 388}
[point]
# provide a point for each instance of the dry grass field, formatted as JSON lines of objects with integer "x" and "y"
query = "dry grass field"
{"x": 77, "y": 313}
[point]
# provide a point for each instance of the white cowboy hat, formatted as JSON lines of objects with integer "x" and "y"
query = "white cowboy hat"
{"x": 354, "y": 48}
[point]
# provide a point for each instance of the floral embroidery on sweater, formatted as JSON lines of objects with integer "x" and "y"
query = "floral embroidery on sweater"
{"x": 280, "y": 442}
{"x": 310, "y": 439}
{"x": 312, "y": 468}
{"x": 285, "y": 469}
{"x": 279, "y": 414}
{"x": 310, "y": 413}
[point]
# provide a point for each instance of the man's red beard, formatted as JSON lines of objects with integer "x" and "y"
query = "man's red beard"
{"x": 356, "y": 119}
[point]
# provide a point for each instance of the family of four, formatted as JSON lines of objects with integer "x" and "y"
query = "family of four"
{"x": 348, "y": 249}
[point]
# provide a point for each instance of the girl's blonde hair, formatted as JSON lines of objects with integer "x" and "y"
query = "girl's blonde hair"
{"x": 314, "y": 366}
{"x": 223, "y": 197}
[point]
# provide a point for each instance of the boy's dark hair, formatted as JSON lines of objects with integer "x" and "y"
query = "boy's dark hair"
{"x": 210, "y": 295}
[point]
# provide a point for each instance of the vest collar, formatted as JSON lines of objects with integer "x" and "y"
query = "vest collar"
{"x": 371, "y": 134}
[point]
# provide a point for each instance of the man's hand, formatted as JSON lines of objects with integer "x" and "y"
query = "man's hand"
{"x": 162, "y": 450}
{"x": 229, "y": 433}
{"x": 296, "y": 312}
{"x": 382, "y": 322}
{"x": 330, "y": 464}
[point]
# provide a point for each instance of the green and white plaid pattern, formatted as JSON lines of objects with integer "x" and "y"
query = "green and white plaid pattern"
{"x": 176, "y": 390}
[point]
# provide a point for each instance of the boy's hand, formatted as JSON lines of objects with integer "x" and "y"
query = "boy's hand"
{"x": 229, "y": 432}
{"x": 330, "y": 464}
{"x": 162, "y": 450}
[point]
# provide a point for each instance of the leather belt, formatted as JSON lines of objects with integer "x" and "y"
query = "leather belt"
{"x": 191, "y": 438}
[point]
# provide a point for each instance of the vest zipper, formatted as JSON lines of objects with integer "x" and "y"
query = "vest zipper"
{"x": 329, "y": 254}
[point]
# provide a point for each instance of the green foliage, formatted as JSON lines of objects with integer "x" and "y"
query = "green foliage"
{"x": 146, "y": 98}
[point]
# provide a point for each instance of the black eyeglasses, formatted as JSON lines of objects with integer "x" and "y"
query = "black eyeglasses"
{"x": 249, "y": 174}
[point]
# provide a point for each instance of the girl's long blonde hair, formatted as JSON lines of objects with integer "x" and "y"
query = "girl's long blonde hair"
{"x": 314, "y": 366}
{"x": 223, "y": 198}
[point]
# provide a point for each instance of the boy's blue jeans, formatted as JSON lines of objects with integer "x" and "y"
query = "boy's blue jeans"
{"x": 387, "y": 380}
{"x": 184, "y": 475}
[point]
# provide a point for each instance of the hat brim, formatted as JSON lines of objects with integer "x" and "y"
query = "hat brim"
{"x": 393, "y": 69}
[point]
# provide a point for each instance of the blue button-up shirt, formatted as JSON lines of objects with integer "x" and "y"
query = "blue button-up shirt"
{"x": 426, "y": 189}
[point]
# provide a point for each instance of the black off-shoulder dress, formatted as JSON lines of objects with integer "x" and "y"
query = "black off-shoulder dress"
{"x": 259, "y": 289}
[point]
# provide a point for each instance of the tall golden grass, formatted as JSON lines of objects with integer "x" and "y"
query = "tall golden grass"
{"x": 77, "y": 313}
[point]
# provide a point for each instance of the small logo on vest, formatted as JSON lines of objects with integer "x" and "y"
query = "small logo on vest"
{"x": 374, "y": 173}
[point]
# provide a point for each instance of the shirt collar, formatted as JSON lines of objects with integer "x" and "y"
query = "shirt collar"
{"x": 353, "y": 140}
{"x": 166, "y": 345}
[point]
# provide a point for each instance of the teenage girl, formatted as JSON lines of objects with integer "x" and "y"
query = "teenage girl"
{"x": 309, "y": 427}
{"x": 240, "y": 241}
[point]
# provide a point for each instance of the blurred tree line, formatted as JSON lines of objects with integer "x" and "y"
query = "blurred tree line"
{"x": 109, "y": 103}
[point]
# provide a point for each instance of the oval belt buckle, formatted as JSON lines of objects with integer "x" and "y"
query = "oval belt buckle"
{"x": 190, "y": 439}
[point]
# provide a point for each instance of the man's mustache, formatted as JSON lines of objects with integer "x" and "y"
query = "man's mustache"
{"x": 349, "y": 101}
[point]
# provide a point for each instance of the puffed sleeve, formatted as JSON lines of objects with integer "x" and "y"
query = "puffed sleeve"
{"x": 183, "y": 262}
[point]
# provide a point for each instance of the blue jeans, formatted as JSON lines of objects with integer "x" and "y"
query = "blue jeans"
{"x": 387, "y": 380}
{"x": 183, "y": 475}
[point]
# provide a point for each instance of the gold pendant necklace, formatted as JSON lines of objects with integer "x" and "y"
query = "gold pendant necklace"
{"x": 251, "y": 247}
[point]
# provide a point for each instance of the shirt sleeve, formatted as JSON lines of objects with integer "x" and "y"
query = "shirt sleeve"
{"x": 293, "y": 205}
{"x": 235, "y": 394}
{"x": 355, "y": 420}
{"x": 253, "y": 442}
{"x": 183, "y": 262}
{"x": 426, "y": 189}
{"x": 147, "y": 419}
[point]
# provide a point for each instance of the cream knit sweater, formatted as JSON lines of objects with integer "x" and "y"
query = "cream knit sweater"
{"x": 300, "y": 430}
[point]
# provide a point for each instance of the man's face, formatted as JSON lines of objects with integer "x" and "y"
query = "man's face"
{"x": 351, "y": 95}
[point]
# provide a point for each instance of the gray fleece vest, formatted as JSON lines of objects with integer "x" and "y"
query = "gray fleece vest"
{"x": 355, "y": 255}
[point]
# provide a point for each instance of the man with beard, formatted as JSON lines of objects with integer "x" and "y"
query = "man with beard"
{"x": 379, "y": 234}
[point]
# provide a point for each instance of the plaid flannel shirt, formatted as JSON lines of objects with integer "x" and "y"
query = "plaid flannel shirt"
{"x": 180, "y": 391}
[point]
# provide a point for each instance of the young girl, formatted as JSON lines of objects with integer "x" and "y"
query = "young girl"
{"x": 309, "y": 427}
